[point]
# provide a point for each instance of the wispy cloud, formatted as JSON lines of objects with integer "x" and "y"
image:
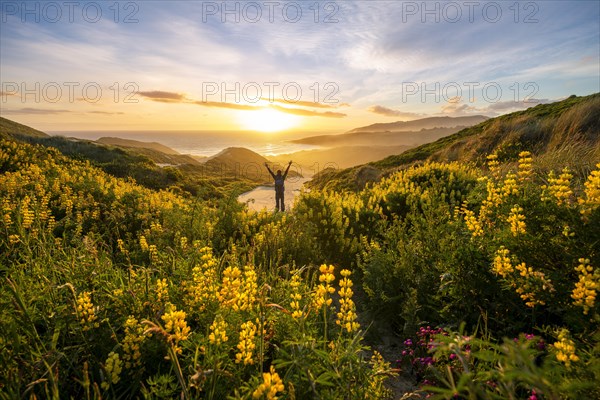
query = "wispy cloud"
{"x": 166, "y": 97}
{"x": 302, "y": 103}
{"x": 33, "y": 111}
{"x": 220, "y": 104}
{"x": 308, "y": 113}
{"x": 388, "y": 112}
{"x": 106, "y": 112}
{"x": 368, "y": 52}
{"x": 172, "y": 97}
{"x": 456, "y": 107}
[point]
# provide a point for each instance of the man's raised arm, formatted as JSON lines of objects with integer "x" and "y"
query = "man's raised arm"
{"x": 269, "y": 169}
{"x": 287, "y": 170}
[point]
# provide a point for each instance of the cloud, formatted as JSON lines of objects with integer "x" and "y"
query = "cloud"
{"x": 388, "y": 112}
{"x": 34, "y": 111}
{"x": 106, "y": 113}
{"x": 455, "y": 107}
{"x": 5, "y": 94}
{"x": 309, "y": 113}
{"x": 510, "y": 105}
{"x": 172, "y": 97}
{"x": 164, "y": 97}
{"x": 305, "y": 103}
{"x": 220, "y": 104}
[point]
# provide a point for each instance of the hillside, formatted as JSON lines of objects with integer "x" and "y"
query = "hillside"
{"x": 380, "y": 138}
{"x": 8, "y": 127}
{"x": 149, "y": 167}
{"x": 561, "y": 133}
{"x": 313, "y": 161}
{"x": 236, "y": 155}
{"x": 423, "y": 123}
{"x": 115, "y": 141}
{"x": 399, "y": 133}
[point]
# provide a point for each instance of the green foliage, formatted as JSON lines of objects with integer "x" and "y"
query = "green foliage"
{"x": 564, "y": 133}
{"x": 111, "y": 289}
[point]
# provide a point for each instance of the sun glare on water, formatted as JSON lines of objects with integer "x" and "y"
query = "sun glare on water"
{"x": 268, "y": 120}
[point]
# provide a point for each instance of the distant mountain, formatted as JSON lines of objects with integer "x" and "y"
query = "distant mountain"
{"x": 232, "y": 156}
{"x": 313, "y": 161}
{"x": 115, "y": 141}
{"x": 564, "y": 133}
{"x": 423, "y": 123}
{"x": 8, "y": 127}
{"x": 398, "y": 138}
{"x": 400, "y": 133}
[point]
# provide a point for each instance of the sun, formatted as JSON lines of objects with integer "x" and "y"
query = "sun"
{"x": 268, "y": 120}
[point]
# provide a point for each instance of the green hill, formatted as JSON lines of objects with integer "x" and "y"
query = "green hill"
{"x": 115, "y": 141}
{"x": 8, "y": 128}
{"x": 148, "y": 166}
{"x": 423, "y": 123}
{"x": 565, "y": 133}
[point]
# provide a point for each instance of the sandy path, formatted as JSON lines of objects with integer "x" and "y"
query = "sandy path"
{"x": 264, "y": 196}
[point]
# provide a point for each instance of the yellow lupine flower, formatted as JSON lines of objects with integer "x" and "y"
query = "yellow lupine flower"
{"x": 591, "y": 200}
{"x": 218, "y": 332}
{"x": 346, "y": 317}
{"x": 230, "y": 286}
{"x": 27, "y": 213}
{"x": 559, "y": 188}
{"x": 526, "y": 281}
{"x": 510, "y": 185}
{"x": 272, "y": 384}
{"x": 502, "y": 264}
{"x": 134, "y": 336}
{"x": 204, "y": 286}
{"x": 296, "y": 297}
{"x": 585, "y": 290}
{"x": 247, "y": 295}
{"x": 143, "y": 243}
{"x": 493, "y": 165}
{"x": 86, "y": 312}
{"x": 472, "y": 222}
{"x": 7, "y": 220}
{"x": 175, "y": 326}
{"x": 153, "y": 251}
{"x": 324, "y": 289}
{"x": 113, "y": 367}
{"x": 525, "y": 169}
{"x": 162, "y": 290}
{"x": 565, "y": 349}
{"x": 121, "y": 246}
{"x": 246, "y": 344}
{"x": 517, "y": 221}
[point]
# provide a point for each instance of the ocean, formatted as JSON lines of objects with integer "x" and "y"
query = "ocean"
{"x": 207, "y": 143}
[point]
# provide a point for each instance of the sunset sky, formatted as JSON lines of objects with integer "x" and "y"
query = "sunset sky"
{"x": 190, "y": 65}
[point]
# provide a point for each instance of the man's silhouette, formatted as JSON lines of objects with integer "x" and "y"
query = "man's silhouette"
{"x": 279, "y": 186}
